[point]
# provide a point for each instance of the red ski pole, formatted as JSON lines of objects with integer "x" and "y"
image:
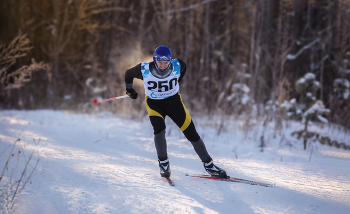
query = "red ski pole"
{"x": 106, "y": 100}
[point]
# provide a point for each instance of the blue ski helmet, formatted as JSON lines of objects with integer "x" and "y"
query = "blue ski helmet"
{"x": 162, "y": 53}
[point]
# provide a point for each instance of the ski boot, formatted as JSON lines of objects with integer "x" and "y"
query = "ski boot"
{"x": 215, "y": 171}
{"x": 164, "y": 168}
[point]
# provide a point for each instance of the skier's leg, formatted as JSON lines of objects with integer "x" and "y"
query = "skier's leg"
{"x": 201, "y": 150}
{"x": 197, "y": 143}
{"x": 156, "y": 116}
{"x": 182, "y": 118}
{"x": 179, "y": 114}
{"x": 161, "y": 147}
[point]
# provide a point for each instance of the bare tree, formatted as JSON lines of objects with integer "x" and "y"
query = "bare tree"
{"x": 11, "y": 78}
{"x": 220, "y": 40}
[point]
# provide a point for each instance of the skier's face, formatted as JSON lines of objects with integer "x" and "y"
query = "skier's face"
{"x": 162, "y": 65}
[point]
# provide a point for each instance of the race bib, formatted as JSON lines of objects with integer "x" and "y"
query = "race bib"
{"x": 156, "y": 88}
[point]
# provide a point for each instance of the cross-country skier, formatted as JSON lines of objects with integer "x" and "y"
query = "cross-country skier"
{"x": 161, "y": 80}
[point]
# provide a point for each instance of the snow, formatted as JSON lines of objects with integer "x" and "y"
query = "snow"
{"x": 287, "y": 105}
{"x": 310, "y": 76}
{"x": 272, "y": 105}
{"x": 105, "y": 164}
{"x": 240, "y": 94}
{"x": 317, "y": 108}
{"x": 342, "y": 82}
{"x": 301, "y": 81}
{"x": 322, "y": 119}
{"x": 244, "y": 75}
{"x": 289, "y": 114}
{"x": 245, "y": 99}
{"x": 241, "y": 86}
{"x": 338, "y": 84}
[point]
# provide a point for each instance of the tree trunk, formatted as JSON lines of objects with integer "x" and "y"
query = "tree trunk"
{"x": 305, "y": 134}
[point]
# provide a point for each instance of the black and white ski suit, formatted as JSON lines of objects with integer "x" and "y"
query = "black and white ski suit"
{"x": 163, "y": 99}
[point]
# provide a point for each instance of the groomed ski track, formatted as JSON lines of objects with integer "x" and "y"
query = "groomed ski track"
{"x": 105, "y": 164}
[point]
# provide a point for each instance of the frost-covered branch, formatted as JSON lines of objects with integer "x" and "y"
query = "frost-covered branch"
{"x": 91, "y": 83}
{"x": 294, "y": 56}
{"x": 316, "y": 111}
{"x": 189, "y": 7}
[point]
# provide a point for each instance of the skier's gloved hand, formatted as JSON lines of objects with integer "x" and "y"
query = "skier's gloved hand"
{"x": 131, "y": 93}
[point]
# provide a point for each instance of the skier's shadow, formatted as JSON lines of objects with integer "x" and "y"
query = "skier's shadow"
{"x": 222, "y": 201}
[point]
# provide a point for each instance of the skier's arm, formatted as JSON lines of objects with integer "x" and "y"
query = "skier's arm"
{"x": 183, "y": 69}
{"x": 130, "y": 74}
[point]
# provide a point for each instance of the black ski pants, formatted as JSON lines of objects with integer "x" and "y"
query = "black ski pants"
{"x": 176, "y": 110}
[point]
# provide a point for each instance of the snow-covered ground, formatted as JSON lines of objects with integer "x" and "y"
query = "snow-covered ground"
{"x": 105, "y": 164}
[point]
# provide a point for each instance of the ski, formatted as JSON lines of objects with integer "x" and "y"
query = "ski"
{"x": 232, "y": 179}
{"x": 170, "y": 182}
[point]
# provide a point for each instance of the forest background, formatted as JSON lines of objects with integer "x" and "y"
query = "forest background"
{"x": 63, "y": 54}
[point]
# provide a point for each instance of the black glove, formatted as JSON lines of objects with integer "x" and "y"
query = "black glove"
{"x": 131, "y": 93}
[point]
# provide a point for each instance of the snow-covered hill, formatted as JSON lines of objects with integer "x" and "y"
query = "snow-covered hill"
{"x": 105, "y": 164}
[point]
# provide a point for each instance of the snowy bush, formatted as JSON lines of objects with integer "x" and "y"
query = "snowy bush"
{"x": 239, "y": 94}
{"x": 235, "y": 99}
{"x": 271, "y": 106}
{"x": 292, "y": 109}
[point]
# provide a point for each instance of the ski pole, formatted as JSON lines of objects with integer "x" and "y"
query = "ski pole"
{"x": 106, "y": 100}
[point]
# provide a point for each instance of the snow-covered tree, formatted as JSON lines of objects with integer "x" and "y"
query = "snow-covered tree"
{"x": 307, "y": 87}
{"x": 341, "y": 85}
{"x": 341, "y": 88}
{"x": 308, "y": 108}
